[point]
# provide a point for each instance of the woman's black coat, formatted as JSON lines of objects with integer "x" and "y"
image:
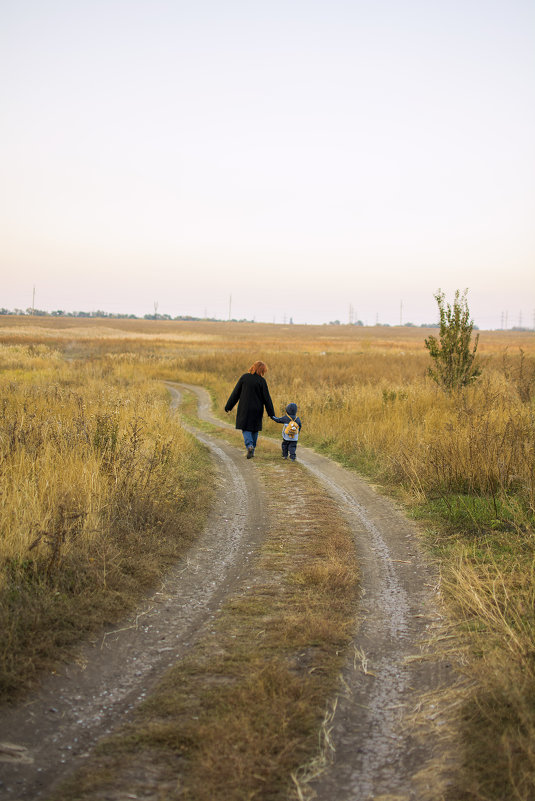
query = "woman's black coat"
{"x": 253, "y": 394}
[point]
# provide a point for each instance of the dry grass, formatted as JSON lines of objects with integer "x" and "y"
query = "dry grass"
{"x": 239, "y": 716}
{"x": 491, "y": 587}
{"x": 244, "y": 336}
{"x": 93, "y": 472}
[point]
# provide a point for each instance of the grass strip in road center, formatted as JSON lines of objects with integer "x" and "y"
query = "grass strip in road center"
{"x": 241, "y": 715}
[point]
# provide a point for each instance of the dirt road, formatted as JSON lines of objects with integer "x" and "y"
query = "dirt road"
{"x": 391, "y": 733}
{"x": 381, "y": 749}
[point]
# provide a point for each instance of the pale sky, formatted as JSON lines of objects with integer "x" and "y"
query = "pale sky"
{"x": 299, "y": 156}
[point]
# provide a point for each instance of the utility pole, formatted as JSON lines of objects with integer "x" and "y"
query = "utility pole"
{"x": 503, "y": 317}
{"x": 401, "y": 312}
{"x": 33, "y": 301}
{"x": 230, "y": 307}
{"x": 156, "y": 304}
{"x": 351, "y": 314}
{"x": 520, "y": 319}
{"x": 506, "y": 315}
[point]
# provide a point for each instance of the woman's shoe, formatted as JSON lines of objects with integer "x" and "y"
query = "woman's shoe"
{"x": 250, "y": 452}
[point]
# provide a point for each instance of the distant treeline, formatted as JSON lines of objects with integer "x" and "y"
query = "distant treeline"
{"x": 112, "y": 315}
{"x": 188, "y": 317}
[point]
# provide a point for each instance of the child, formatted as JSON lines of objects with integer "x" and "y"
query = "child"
{"x": 290, "y": 433}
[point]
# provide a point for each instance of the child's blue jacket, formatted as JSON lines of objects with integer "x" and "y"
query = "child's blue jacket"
{"x": 286, "y": 419}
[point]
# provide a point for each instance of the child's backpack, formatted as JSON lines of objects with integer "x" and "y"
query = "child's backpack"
{"x": 291, "y": 429}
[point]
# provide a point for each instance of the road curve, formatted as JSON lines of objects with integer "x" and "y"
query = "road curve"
{"x": 44, "y": 739}
{"x": 377, "y": 749}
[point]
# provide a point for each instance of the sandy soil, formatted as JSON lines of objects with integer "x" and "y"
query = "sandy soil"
{"x": 390, "y": 731}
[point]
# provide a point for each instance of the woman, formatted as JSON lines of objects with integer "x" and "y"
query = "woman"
{"x": 253, "y": 394}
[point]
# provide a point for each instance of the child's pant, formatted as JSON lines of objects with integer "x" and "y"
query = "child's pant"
{"x": 289, "y": 448}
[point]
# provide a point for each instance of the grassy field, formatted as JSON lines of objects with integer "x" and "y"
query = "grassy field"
{"x": 463, "y": 464}
{"x": 93, "y": 473}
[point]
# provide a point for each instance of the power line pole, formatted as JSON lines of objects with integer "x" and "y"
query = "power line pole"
{"x": 230, "y": 307}
{"x": 401, "y": 312}
{"x": 351, "y": 314}
{"x": 33, "y": 301}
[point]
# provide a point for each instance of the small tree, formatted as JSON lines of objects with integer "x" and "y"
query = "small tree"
{"x": 455, "y": 363}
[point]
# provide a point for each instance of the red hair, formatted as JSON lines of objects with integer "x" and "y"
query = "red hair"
{"x": 258, "y": 367}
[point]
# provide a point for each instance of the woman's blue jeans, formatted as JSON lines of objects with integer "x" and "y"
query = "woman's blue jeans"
{"x": 250, "y": 438}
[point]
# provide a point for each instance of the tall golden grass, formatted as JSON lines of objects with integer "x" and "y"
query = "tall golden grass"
{"x": 93, "y": 473}
{"x": 490, "y": 586}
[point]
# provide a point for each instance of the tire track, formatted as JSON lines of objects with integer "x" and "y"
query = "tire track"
{"x": 46, "y": 738}
{"x": 378, "y": 749}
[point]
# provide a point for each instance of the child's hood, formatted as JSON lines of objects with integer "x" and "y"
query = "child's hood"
{"x": 291, "y": 409}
